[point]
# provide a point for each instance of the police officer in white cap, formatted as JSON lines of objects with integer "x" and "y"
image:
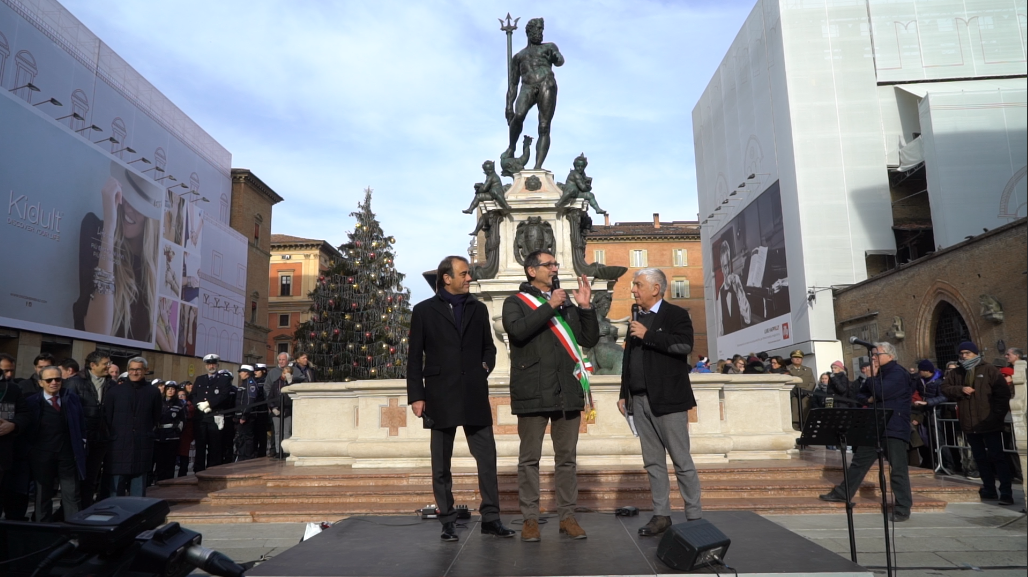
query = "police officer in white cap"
{"x": 210, "y": 394}
{"x": 251, "y": 423}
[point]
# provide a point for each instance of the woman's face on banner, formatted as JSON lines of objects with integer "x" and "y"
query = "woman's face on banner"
{"x": 131, "y": 221}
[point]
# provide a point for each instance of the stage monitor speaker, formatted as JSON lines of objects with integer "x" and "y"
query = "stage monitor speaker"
{"x": 686, "y": 546}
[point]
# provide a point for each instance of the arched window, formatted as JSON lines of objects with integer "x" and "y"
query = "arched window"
{"x": 194, "y": 182}
{"x": 25, "y": 73}
{"x": 120, "y": 133}
{"x": 160, "y": 160}
{"x": 950, "y": 331}
{"x": 80, "y": 106}
{"x": 223, "y": 215}
{"x": 5, "y": 51}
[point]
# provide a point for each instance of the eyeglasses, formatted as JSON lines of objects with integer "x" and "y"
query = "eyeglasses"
{"x": 549, "y": 264}
{"x": 136, "y": 370}
{"x": 54, "y": 380}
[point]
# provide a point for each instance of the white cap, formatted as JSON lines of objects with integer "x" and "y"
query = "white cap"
{"x": 260, "y": 367}
{"x": 211, "y": 358}
{"x": 170, "y": 384}
{"x": 123, "y": 375}
{"x": 246, "y": 368}
{"x": 156, "y": 382}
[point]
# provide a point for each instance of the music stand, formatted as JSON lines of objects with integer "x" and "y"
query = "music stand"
{"x": 842, "y": 427}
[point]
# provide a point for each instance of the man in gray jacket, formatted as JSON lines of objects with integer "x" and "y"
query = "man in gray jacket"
{"x": 545, "y": 383}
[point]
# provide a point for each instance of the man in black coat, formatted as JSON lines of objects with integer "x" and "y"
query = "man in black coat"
{"x": 132, "y": 411}
{"x": 451, "y": 355}
{"x": 656, "y": 391}
{"x": 14, "y": 448}
{"x": 90, "y": 396}
{"x": 97, "y": 384}
{"x": 57, "y": 433}
{"x": 14, "y": 418}
{"x": 211, "y": 393}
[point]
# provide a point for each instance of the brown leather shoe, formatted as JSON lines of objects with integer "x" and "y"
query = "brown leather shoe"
{"x": 530, "y": 530}
{"x": 571, "y": 528}
{"x": 657, "y": 525}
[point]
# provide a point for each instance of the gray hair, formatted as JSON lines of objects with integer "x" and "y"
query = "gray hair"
{"x": 146, "y": 365}
{"x": 888, "y": 349}
{"x": 1016, "y": 352}
{"x": 654, "y": 275}
{"x": 288, "y": 356}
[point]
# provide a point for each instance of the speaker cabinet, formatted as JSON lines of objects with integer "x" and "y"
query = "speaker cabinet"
{"x": 686, "y": 546}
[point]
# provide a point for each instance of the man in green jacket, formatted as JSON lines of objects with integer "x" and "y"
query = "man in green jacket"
{"x": 545, "y": 383}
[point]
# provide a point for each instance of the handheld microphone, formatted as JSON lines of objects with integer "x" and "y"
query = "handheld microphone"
{"x": 863, "y": 343}
{"x": 635, "y": 312}
{"x": 556, "y": 285}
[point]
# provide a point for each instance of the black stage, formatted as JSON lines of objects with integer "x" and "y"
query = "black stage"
{"x": 405, "y": 546}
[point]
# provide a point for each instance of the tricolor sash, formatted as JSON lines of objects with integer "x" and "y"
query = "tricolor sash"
{"x": 566, "y": 337}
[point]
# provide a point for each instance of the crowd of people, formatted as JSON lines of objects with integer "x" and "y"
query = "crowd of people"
{"x": 93, "y": 431}
{"x": 973, "y": 394}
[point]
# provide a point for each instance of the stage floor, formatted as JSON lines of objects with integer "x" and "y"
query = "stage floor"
{"x": 409, "y": 547}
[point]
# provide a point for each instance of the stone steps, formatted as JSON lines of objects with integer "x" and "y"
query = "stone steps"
{"x": 301, "y": 513}
{"x": 602, "y": 492}
{"x": 271, "y": 491}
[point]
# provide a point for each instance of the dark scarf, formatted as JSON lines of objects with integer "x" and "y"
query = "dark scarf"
{"x": 457, "y": 303}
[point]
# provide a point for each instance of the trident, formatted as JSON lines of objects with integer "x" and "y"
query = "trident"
{"x": 509, "y": 27}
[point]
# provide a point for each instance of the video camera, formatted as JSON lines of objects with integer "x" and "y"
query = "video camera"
{"x": 123, "y": 536}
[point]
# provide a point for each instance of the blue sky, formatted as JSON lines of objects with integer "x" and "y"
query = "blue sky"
{"x": 321, "y": 99}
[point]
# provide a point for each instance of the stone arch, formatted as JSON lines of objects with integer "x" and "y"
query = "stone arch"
{"x": 928, "y": 315}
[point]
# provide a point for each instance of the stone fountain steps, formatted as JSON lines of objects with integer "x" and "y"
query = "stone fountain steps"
{"x": 301, "y": 513}
{"x": 268, "y": 491}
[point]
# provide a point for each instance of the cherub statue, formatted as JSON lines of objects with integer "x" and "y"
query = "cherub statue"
{"x": 579, "y": 185}
{"x": 491, "y": 189}
{"x": 509, "y": 165}
{"x": 607, "y": 355}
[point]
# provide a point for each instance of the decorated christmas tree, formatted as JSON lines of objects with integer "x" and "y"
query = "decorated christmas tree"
{"x": 360, "y": 317}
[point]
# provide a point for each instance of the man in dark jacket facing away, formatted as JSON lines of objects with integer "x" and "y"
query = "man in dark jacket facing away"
{"x": 655, "y": 389}
{"x": 889, "y": 385}
{"x": 132, "y": 411}
{"x": 57, "y": 433}
{"x": 545, "y": 386}
{"x": 90, "y": 387}
{"x": 452, "y": 335}
{"x": 14, "y": 419}
{"x": 983, "y": 401}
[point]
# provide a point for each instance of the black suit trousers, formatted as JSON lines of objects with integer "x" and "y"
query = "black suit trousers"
{"x": 483, "y": 448}
{"x": 48, "y": 467}
{"x": 208, "y": 445}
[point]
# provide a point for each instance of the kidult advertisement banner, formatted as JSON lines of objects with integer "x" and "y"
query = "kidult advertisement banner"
{"x": 92, "y": 248}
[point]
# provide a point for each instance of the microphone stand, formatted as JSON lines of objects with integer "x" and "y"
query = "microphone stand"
{"x": 880, "y": 449}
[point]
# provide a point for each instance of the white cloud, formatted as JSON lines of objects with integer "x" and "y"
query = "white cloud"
{"x": 321, "y": 99}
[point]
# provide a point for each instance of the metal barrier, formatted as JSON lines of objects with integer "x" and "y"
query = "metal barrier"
{"x": 946, "y": 435}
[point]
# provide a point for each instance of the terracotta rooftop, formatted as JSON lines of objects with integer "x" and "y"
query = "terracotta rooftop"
{"x": 281, "y": 238}
{"x": 647, "y": 229}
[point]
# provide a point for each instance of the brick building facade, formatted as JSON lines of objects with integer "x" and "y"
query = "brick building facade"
{"x": 296, "y": 264}
{"x": 252, "y": 202}
{"x": 975, "y": 290}
{"x": 673, "y": 247}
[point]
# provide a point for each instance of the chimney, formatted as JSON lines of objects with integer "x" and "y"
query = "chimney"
{"x": 606, "y": 219}
{"x": 656, "y": 220}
